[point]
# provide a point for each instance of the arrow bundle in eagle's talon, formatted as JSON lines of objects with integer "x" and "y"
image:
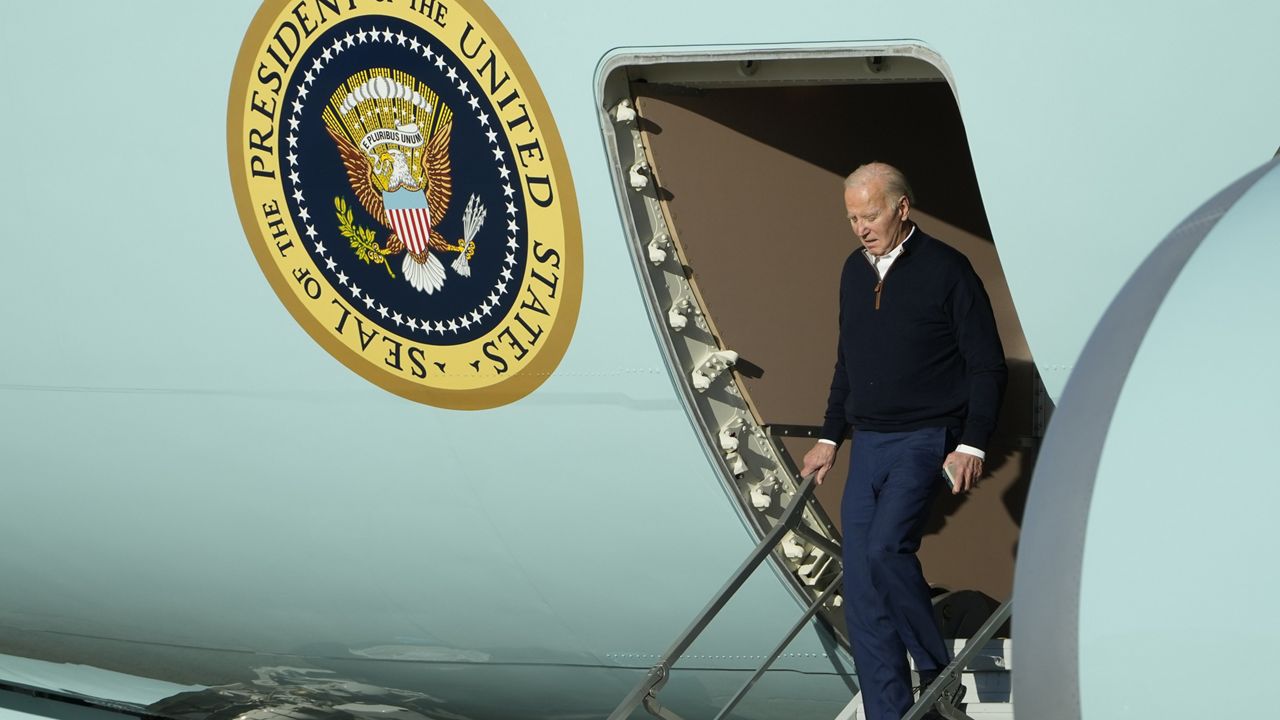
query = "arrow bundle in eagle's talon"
{"x": 472, "y": 219}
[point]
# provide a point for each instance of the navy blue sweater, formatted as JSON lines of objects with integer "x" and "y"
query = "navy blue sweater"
{"x": 923, "y": 351}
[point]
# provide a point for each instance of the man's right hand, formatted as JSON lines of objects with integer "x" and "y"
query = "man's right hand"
{"x": 819, "y": 459}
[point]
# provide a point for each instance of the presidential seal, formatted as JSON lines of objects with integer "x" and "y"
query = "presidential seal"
{"x": 404, "y": 190}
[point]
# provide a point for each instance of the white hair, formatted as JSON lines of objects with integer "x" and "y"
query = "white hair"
{"x": 893, "y": 182}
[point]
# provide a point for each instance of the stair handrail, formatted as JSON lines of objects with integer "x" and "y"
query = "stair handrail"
{"x": 942, "y": 695}
{"x": 646, "y": 691}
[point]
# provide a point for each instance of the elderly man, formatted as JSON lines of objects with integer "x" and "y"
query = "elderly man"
{"x": 919, "y": 375}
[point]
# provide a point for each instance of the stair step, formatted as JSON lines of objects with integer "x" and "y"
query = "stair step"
{"x": 977, "y": 711}
{"x": 996, "y": 655}
{"x": 991, "y": 711}
{"x": 987, "y": 682}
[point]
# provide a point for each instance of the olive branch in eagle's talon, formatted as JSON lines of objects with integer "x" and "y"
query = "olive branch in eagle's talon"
{"x": 363, "y": 240}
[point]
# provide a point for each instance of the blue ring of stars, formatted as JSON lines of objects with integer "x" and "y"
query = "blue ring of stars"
{"x": 361, "y": 296}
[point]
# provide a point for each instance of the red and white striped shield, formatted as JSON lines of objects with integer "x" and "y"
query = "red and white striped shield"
{"x": 410, "y": 218}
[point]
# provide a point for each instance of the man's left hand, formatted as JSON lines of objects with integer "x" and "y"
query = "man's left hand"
{"x": 965, "y": 471}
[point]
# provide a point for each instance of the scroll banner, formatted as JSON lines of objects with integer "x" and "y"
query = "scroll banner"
{"x": 406, "y": 135}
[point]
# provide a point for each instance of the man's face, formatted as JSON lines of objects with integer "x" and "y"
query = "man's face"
{"x": 879, "y": 223}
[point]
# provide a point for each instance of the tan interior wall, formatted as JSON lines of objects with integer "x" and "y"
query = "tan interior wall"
{"x": 751, "y": 182}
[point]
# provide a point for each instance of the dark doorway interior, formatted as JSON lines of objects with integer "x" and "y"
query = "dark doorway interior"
{"x": 751, "y": 179}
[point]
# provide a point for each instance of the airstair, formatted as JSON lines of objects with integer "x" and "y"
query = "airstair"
{"x": 986, "y": 681}
{"x": 975, "y": 686}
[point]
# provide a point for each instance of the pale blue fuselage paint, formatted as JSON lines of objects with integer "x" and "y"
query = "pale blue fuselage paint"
{"x": 184, "y": 466}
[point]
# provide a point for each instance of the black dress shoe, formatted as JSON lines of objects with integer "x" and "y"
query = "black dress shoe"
{"x": 953, "y": 696}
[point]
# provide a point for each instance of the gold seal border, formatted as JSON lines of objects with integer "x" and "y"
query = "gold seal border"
{"x": 503, "y": 392}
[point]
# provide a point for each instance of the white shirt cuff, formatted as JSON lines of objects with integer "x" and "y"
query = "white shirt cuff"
{"x": 829, "y": 442}
{"x": 970, "y": 450}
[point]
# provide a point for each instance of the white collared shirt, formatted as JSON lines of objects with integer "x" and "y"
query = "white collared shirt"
{"x": 883, "y": 262}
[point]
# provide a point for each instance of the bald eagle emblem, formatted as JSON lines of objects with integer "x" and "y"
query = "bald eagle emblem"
{"x": 392, "y": 135}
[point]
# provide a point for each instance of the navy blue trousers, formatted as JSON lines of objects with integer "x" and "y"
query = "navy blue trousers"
{"x": 893, "y": 478}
